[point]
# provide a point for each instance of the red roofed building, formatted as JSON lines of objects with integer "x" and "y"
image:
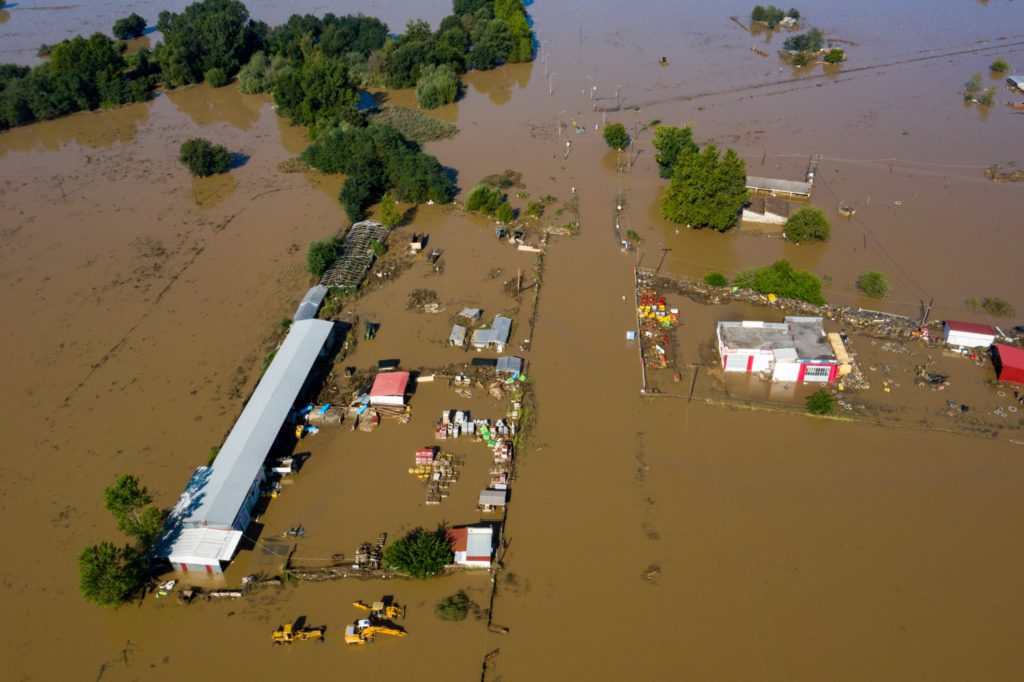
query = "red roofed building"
{"x": 1009, "y": 362}
{"x": 389, "y": 388}
{"x": 473, "y": 545}
{"x": 968, "y": 334}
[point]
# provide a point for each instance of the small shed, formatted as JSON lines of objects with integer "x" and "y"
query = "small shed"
{"x": 510, "y": 365}
{"x": 472, "y": 314}
{"x": 473, "y": 546}
{"x": 1009, "y": 363}
{"x": 496, "y": 336}
{"x": 310, "y": 304}
{"x": 458, "y": 336}
{"x": 389, "y": 388}
{"x": 491, "y": 499}
{"x": 968, "y": 334}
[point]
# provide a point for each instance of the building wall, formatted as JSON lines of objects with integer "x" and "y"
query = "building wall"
{"x": 969, "y": 339}
{"x": 200, "y": 569}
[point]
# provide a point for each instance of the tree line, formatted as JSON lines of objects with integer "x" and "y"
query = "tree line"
{"x": 312, "y": 65}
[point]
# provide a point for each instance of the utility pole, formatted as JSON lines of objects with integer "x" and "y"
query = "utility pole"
{"x": 664, "y": 252}
{"x": 551, "y": 87}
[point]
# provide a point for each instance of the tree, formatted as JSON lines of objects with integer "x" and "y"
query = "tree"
{"x": 670, "y": 143}
{"x": 834, "y": 56}
{"x": 999, "y": 66}
{"x": 389, "y": 213}
{"x": 131, "y": 26}
{"x": 535, "y": 209}
{"x": 321, "y": 255}
{"x": 781, "y": 279}
{"x": 484, "y": 199}
{"x": 203, "y": 158}
{"x": 257, "y": 75}
{"x": 505, "y": 213}
{"x": 130, "y": 503}
{"x": 208, "y": 34}
{"x": 873, "y": 284}
{"x": 438, "y": 85}
{"x": 705, "y": 190}
{"x": 821, "y": 402}
{"x": 108, "y": 575}
{"x": 809, "y": 223}
{"x": 810, "y": 41}
{"x": 716, "y": 279}
{"x": 453, "y": 607}
{"x": 215, "y": 77}
{"x": 616, "y": 136}
{"x": 421, "y": 554}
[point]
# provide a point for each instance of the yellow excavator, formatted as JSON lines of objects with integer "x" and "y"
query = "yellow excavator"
{"x": 286, "y": 634}
{"x": 379, "y": 611}
{"x": 364, "y": 631}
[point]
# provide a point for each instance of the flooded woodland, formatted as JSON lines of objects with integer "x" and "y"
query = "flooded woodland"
{"x": 648, "y": 537}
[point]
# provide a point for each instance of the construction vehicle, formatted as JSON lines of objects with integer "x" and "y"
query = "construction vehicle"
{"x": 363, "y": 632}
{"x": 379, "y": 611}
{"x": 286, "y": 634}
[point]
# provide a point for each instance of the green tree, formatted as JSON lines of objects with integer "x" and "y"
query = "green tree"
{"x": 257, "y": 75}
{"x": 535, "y": 209}
{"x": 108, "y": 575}
{"x": 131, "y": 26}
{"x": 811, "y": 41}
{"x": 821, "y": 402}
{"x": 873, "y": 284}
{"x": 216, "y": 77}
{"x": 705, "y": 190}
{"x": 716, "y": 279}
{"x": 87, "y": 72}
{"x": 320, "y": 92}
{"x": 505, "y": 213}
{"x": 321, "y": 255}
{"x": 208, "y": 34}
{"x": 453, "y": 607}
{"x": 972, "y": 86}
{"x": 808, "y": 224}
{"x": 390, "y": 216}
{"x": 420, "y": 553}
{"x": 438, "y": 85}
{"x": 484, "y": 199}
{"x": 130, "y": 503}
{"x": 759, "y": 13}
{"x": 999, "y": 66}
{"x": 616, "y": 136}
{"x": 203, "y": 158}
{"x": 670, "y": 142}
{"x": 834, "y": 56}
{"x": 782, "y": 280}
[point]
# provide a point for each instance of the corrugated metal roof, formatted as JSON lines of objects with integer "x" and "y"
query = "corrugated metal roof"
{"x": 310, "y": 304}
{"x": 458, "y": 335}
{"x": 495, "y": 498}
{"x": 479, "y": 542}
{"x": 215, "y": 495}
{"x": 390, "y": 384}
{"x": 509, "y": 364}
{"x": 776, "y": 185}
{"x": 970, "y": 328}
{"x": 470, "y": 313}
{"x": 202, "y": 546}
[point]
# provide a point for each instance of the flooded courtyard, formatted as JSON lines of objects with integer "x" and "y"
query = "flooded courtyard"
{"x": 650, "y": 537}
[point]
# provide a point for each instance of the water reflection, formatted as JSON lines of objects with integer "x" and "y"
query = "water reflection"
{"x": 5, "y": 16}
{"x": 206, "y": 105}
{"x": 498, "y": 83}
{"x": 96, "y": 130}
{"x": 210, "y": 192}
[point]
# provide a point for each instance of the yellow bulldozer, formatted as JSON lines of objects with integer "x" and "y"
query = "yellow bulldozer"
{"x": 286, "y": 634}
{"x": 379, "y": 611}
{"x": 363, "y": 632}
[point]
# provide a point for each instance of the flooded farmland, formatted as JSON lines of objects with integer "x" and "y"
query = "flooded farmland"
{"x": 651, "y": 537}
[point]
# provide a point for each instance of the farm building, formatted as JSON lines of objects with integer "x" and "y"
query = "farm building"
{"x": 473, "y": 545}
{"x": 204, "y": 528}
{"x": 785, "y": 188}
{"x": 968, "y": 334}
{"x": 310, "y": 304}
{"x": 509, "y": 365}
{"x": 766, "y": 209}
{"x": 496, "y": 336}
{"x": 1009, "y": 363}
{"x": 492, "y": 499}
{"x": 796, "y": 349}
{"x": 389, "y": 388}
{"x": 458, "y": 336}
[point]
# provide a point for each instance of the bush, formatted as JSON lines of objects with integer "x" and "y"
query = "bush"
{"x": 821, "y": 402}
{"x": 131, "y": 26}
{"x": 454, "y": 607}
{"x": 634, "y": 236}
{"x": 999, "y": 66}
{"x": 810, "y": 41}
{"x": 437, "y": 86}
{"x": 484, "y": 199}
{"x": 505, "y": 213}
{"x": 987, "y": 98}
{"x": 203, "y": 158}
{"x": 782, "y": 280}
{"x": 873, "y": 284}
{"x": 415, "y": 125}
{"x": 616, "y": 136}
{"x": 390, "y": 216}
{"x": 716, "y": 279}
{"x": 320, "y": 255}
{"x": 997, "y": 307}
{"x": 421, "y": 554}
{"x": 535, "y": 209}
{"x": 216, "y": 77}
{"x": 972, "y": 86}
{"x": 835, "y": 56}
{"x": 809, "y": 223}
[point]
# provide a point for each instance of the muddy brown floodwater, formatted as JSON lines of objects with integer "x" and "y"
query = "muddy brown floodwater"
{"x": 648, "y": 538}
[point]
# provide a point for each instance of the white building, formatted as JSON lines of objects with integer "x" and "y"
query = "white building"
{"x": 473, "y": 545}
{"x": 796, "y": 349}
{"x": 968, "y": 334}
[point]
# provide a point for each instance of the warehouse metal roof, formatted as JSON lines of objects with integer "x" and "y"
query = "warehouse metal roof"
{"x": 310, "y": 304}
{"x": 216, "y": 494}
{"x": 774, "y": 185}
{"x": 203, "y": 546}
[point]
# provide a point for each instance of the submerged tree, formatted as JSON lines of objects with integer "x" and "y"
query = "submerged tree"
{"x": 809, "y": 223}
{"x": 821, "y": 402}
{"x": 130, "y": 503}
{"x": 706, "y": 191}
{"x": 203, "y": 158}
{"x": 438, "y": 85}
{"x": 453, "y": 607}
{"x": 131, "y": 26}
{"x": 873, "y": 284}
{"x": 615, "y": 136}
{"x": 420, "y": 553}
{"x": 109, "y": 575}
{"x": 670, "y": 142}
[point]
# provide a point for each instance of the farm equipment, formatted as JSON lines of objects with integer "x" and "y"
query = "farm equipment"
{"x": 363, "y": 632}
{"x": 286, "y": 634}
{"x": 380, "y": 612}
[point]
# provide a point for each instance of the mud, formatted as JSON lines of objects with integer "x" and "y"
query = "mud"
{"x": 649, "y": 538}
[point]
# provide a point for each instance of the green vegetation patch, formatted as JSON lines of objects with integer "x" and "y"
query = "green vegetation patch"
{"x": 706, "y": 190}
{"x": 454, "y": 607}
{"x": 808, "y": 224}
{"x": 421, "y": 553}
{"x": 873, "y": 284}
{"x": 615, "y": 136}
{"x": 716, "y": 279}
{"x": 821, "y": 402}
{"x": 415, "y": 125}
{"x": 781, "y": 279}
{"x": 203, "y": 158}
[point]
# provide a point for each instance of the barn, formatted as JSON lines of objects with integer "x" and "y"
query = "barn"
{"x": 968, "y": 334}
{"x": 1009, "y": 363}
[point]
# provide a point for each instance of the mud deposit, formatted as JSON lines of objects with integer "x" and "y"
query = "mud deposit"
{"x": 648, "y": 538}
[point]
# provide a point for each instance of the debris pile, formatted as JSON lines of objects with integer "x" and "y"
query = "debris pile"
{"x": 656, "y": 323}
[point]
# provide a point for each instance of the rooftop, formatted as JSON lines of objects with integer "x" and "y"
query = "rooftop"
{"x": 971, "y": 328}
{"x": 310, "y": 304}
{"x": 204, "y": 546}
{"x": 499, "y": 332}
{"x": 1010, "y": 356}
{"x": 390, "y": 383}
{"x": 804, "y": 334}
{"x": 775, "y": 185}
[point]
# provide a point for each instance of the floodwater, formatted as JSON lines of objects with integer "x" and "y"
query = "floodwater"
{"x": 653, "y": 538}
